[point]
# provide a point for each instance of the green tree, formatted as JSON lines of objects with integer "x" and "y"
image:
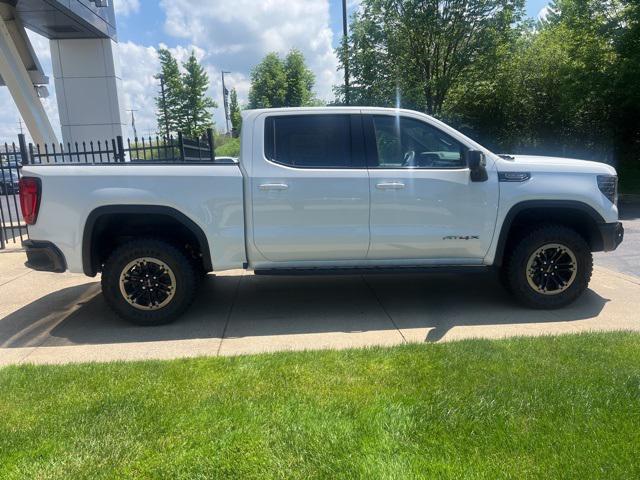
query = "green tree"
{"x": 234, "y": 113}
{"x": 300, "y": 80}
{"x": 626, "y": 95}
{"x": 170, "y": 106}
{"x": 228, "y": 147}
{"x": 567, "y": 86}
{"x": 282, "y": 83}
{"x": 604, "y": 45}
{"x": 412, "y": 52}
{"x": 268, "y": 83}
{"x": 196, "y": 115}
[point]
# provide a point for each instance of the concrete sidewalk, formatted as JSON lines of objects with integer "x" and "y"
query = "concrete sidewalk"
{"x": 58, "y": 318}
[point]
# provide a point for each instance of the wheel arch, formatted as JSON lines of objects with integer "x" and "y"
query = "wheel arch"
{"x": 90, "y": 256}
{"x": 527, "y": 214}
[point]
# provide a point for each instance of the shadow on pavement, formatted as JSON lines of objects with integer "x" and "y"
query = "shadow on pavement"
{"x": 443, "y": 301}
{"x": 30, "y": 325}
{"x": 290, "y": 305}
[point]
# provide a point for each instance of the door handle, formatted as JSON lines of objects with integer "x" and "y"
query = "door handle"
{"x": 390, "y": 186}
{"x": 273, "y": 186}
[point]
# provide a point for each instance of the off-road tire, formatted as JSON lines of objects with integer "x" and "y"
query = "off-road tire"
{"x": 515, "y": 268}
{"x": 182, "y": 268}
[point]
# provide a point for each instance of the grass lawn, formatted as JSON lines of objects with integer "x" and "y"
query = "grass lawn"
{"x": 553, "y": 407}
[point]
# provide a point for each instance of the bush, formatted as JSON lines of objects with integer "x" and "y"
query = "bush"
{"x": 230, "y": 147}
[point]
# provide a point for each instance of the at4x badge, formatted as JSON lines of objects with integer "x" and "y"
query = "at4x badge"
{"x": 462, "y": 237}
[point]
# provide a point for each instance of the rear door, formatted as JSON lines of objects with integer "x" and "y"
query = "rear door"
{"x": 310, "y": 188}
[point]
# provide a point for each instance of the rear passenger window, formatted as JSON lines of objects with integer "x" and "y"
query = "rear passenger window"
{"x": 309, "y": 141}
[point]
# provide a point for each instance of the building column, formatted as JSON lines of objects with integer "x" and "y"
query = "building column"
{"x": 88, "y": 89}
{"x": 16, "y": 53}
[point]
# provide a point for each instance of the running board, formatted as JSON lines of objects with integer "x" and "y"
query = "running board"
{"x": 455, "y": 269}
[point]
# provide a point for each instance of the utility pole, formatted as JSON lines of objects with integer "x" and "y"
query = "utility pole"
{"x": 345, "y": 46}
{"x": 20, "y": 125}
{"x": 225, "y": 96}
{"x": 164, "y": 106}
{"x": 133, "y": 124}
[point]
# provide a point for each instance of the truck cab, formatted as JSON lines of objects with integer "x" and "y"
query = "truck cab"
{"x": 342, "y": 189}
{"x": 365, "y": 187}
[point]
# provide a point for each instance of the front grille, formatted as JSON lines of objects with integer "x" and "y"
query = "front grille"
{"x": 608, "y": 185}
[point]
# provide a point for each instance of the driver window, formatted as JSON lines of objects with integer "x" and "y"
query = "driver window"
{"x": 409, "y": 143}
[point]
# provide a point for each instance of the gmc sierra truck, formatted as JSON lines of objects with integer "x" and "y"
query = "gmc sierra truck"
{"x": 323, "y": 189}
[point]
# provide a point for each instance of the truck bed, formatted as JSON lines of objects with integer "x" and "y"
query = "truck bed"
{"x": 211, "y": 195}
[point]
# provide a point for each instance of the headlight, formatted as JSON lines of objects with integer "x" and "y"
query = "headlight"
{"x": 608, "y": 185}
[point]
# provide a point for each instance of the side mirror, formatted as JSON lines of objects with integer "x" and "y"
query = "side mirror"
{"x": 477, "y": 163}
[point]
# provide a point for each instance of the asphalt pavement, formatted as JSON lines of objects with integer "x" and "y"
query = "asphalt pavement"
{"x": 626, "y": 259}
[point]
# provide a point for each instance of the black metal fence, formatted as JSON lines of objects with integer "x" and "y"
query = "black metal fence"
{"x": 12, "y": 228}
{"x": 178, "y": 149}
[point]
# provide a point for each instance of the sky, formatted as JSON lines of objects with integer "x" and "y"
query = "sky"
{"x": 231, "y": 35}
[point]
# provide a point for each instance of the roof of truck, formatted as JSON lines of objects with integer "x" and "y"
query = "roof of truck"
{"x": 325, "y": 109}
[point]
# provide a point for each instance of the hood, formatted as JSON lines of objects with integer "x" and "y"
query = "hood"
{"x": 536, "y": 163}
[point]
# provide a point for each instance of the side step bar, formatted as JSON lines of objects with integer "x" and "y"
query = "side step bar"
{"x": 374, "y": 270}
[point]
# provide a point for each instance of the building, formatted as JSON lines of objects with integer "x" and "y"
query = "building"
{"x": 86, "y": 68}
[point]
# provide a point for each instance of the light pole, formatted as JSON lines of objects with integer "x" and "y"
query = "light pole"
{"x": 225, "y": 94}
{"x": 345, "y": 46}
{"x": 133, "y": 124}
{"x": 164, "y": 106}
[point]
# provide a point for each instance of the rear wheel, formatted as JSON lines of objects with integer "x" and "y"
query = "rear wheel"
{"x": 149, "y": 282}
{"x": 549, "y": 268}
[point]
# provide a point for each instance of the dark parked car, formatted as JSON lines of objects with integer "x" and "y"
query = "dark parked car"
{"x": 8, "y": 181}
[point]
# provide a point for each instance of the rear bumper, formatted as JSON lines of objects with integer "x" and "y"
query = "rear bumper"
{"x": 612, "y": 235}
{"x": 44, "y": 257}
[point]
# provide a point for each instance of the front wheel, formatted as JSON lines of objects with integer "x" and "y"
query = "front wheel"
{"x": 549, "y": 268}
{"x": 149, "y": 282}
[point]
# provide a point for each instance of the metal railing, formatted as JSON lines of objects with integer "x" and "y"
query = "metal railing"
{"x": 174, "y": 150}
{"x": 13, "y": 230}
{"x": 179, "y": 149}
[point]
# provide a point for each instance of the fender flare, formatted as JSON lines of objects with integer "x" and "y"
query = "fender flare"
{"x": 87, "y": 237}
{"x": 539, "y": 204}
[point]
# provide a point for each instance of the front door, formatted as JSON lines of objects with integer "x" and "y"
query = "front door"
{"x": 310, "y": 189}
{"x": 424, "y": 205}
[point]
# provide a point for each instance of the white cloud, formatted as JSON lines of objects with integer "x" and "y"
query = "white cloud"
{"x": 232, "y": 35}
{"x": 139, "y": 90}
{"x": 236, "y": 34}
{"x": 126, "y": 7}
{"x": 8, "y": 118}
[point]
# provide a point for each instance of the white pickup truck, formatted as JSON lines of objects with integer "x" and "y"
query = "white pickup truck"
{"x": 323, "y": 189}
